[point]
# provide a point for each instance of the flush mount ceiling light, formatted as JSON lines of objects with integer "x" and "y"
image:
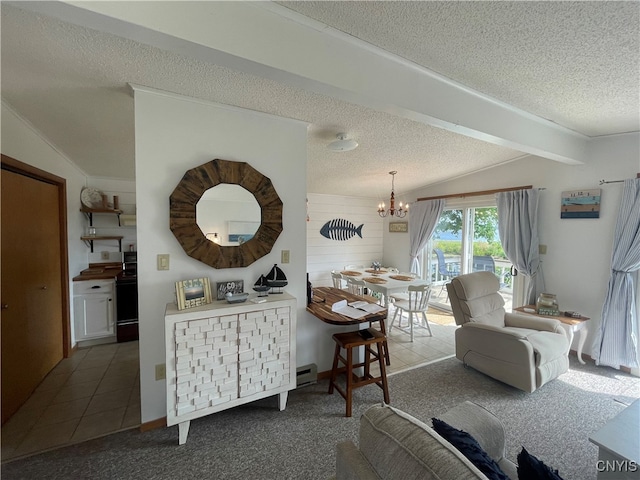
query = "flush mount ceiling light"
{"x": 342, "y": 144}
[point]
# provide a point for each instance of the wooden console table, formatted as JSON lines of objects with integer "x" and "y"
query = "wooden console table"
{"x": 571, "y": 326}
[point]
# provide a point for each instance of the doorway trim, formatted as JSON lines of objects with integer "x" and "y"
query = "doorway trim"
{"x": 12, "y": 165}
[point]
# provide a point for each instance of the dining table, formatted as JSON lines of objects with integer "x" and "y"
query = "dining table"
{"x": 383, "y": 281}
{"x": 323, "y": 299}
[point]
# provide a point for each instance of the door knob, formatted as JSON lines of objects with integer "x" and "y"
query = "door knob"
{"x": 44, "y": 287}
{"x": 5, "y": 306}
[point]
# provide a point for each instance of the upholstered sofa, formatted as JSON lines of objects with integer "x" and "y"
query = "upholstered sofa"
{"x": 393, "y": 445}
{"x": 520, "y": 350}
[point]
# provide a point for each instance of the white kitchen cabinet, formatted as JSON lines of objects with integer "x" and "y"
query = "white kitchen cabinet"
{"x": 222, "y": 355}
{"x": 93, "y": 305}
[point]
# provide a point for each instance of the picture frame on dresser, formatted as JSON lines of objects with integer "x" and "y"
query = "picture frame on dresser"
{"x": 230, "y": 286}
{"x": 193, "y": 293}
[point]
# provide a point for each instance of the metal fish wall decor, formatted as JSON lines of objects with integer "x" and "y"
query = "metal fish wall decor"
{"x": 340, "y": 229}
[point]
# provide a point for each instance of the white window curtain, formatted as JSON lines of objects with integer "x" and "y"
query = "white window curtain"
{"x": 422, "y": 222}
{"x": 518, "y": 229}
{"x": 616, "y": 341}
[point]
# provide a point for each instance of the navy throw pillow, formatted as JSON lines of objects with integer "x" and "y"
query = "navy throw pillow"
{"x": 530, "y": 468}
{"x": 470, "y": 448}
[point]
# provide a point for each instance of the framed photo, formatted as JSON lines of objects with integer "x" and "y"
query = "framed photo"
{"x": 193, "y": 293}
{"x": 232, "y": 286}
{"x": 240, "y": 232}
{"x": 581, "y": 204}
{"x": 399, "y": 227}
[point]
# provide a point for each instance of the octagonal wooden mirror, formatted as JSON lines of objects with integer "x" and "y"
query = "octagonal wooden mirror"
{"x": 183, "y": 222}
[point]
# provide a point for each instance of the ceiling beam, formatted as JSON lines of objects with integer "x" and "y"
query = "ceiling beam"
{"x": 270, "y": 41}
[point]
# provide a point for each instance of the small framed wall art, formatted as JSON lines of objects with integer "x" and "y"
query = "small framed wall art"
{"x": 399, "y": 227}
{"x": 581, "y": 204}
{"x": 231, "y": 286}
{"x": 193, "y": 293}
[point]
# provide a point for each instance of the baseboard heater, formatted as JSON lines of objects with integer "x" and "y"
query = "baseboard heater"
{"x": 306, "y": 375}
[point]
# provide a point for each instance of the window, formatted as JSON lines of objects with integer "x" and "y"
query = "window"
{"x": 466, "y": 240}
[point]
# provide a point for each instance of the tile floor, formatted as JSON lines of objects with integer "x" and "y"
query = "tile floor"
{"x": 94, "y": 392}
{"x": 405, "y": 354}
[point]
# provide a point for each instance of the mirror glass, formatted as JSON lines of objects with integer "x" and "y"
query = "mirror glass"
{"x": 231, "y": 212}
{"x": 246, "y": 245}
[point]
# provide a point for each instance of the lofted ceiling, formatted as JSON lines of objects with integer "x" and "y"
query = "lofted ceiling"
{"x": 570, "y": 68}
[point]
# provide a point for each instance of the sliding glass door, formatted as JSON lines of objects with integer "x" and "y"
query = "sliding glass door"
{"x": 466, "y": 240}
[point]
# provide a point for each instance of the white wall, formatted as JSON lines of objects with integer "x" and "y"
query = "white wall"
{"x": 396, "y": 246}
{"x": 577, "y": 264}
{"x": 22, "y": 142}
{"x": 173, "y": 135}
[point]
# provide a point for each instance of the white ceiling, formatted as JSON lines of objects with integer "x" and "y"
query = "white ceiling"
{"x": 576, "y": 65}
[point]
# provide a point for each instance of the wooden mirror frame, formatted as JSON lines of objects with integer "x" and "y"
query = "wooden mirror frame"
{"x": 182, "y": 213}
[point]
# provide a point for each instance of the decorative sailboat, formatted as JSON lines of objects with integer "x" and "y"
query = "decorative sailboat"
{"x": 276, "y": 279}
{"x": 262, "y": 287}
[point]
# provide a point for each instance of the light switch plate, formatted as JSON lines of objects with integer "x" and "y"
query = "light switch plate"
{"x": 163, "y": 261}
{"x": 284, "y": 256}
{"x": 542, "y": 249}
{"x": 161, "y": 371}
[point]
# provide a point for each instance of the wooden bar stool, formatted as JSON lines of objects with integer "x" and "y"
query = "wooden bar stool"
{"x": 349, "y": 341}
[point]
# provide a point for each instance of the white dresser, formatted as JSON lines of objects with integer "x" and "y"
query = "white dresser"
{"x": 223, "y": 355}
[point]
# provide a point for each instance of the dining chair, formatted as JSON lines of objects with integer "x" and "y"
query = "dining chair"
{"x": 357, "y": 287}
{"x": 443, "y": 269}
{"x": 484, "y": 263}
{"x": 397, "y": 296}
{"x": 416, "y": 306}
{"x": 337, "y": 280}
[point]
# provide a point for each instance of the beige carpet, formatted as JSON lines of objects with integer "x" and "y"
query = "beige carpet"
{"x": 257, "y": 441}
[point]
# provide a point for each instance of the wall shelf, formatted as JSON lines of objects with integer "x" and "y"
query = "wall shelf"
{"x": 89, "y": 239}
{"x": 90, "y": 211}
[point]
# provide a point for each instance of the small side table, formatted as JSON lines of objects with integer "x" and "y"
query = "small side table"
{"x": 571, "y": 326}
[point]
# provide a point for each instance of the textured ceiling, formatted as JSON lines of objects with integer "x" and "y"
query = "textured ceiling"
{"x": 574, "y": 63}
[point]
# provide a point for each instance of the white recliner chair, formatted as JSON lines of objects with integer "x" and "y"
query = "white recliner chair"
{"x": 520, "y": 350}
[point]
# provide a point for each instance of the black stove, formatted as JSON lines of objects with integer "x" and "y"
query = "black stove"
{"x": 127, "y": 299}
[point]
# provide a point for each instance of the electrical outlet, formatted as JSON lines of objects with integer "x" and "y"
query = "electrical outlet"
{"x": 163, "y": 261}
{"x": 542, "y": 249}
{"x": 104, "y": 255}
{"x": 284, "y": 256}
{"x": 161, "y": 371}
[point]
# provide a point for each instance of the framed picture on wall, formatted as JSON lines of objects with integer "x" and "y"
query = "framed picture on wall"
{"x": 193, "y": 293}
{"x": 581, "y": 204}
{"x": 399, "y": 227}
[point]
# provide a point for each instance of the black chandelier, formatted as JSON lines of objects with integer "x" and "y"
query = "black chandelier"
{"x": 392, "y": 208}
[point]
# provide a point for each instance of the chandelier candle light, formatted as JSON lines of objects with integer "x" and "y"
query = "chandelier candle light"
{"x": 392, "y": 208}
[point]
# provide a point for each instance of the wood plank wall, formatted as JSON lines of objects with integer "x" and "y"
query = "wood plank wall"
{"x": 323, "y": 254}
